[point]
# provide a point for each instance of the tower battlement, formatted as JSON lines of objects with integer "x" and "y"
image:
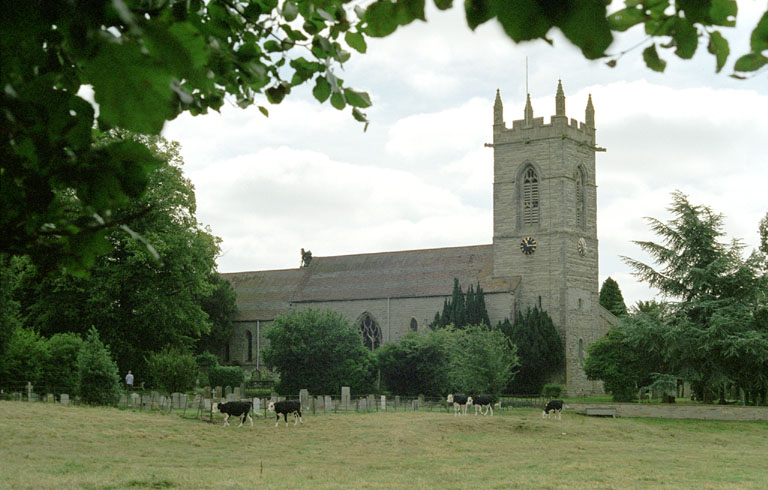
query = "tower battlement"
{"x": 560, "y": 126}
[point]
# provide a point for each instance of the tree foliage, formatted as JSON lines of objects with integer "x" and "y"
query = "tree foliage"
{"x": 146, "y": 62}
{"x": 141, "y": 299}
{"x": 483, "y": 360}
{"x": 98, "y": 378}
{"x": 713, "y": 332}
{"x": 611, "y": 298}
{"x": 672, "y": 27}
{"x": 416, "y": 365}
{"x": 318, "y": 350}
{"x": 539, "y": 348}
{"x": 173, "y": 369}
{"x": 461, "y": 310}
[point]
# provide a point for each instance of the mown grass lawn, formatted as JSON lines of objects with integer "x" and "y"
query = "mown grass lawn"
{"x": 53, "y": 446}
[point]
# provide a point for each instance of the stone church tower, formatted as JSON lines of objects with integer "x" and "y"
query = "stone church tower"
{"x": 544, "y": 253}
{"x": 545, "y": 222}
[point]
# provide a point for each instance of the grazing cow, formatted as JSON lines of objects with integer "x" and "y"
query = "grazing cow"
{"x": 285, "y": 407}
{"x": 460, "y": 403}
{"x": 554, "y": 407}
{"x": 483, "y": 401}
{"x": 234, "y": 408}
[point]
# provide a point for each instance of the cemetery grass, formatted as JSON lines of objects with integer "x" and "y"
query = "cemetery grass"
{"x": 54, "y": 446}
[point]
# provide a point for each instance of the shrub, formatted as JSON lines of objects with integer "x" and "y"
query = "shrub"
{"x": 552, "y": 391}
{"x": 206, "y": 360}
{"x": 417, "y": 364}
{"x": 174, "y": 370}
{"x": 225, "y": 376}
{"x": 23, "y": 359}
{"x": 60, "y": 366}
{"x": 98, "y": 378}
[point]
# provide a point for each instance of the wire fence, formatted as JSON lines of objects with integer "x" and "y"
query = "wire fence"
{"x": 199, "y": 405}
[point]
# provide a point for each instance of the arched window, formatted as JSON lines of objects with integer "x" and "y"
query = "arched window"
{"x": 249, "y": 339}
{"x": 530, "y": 197}
{"x": 580, "y": 215}
{"x": 370, "y": 331}
{"x": 414, "y": 325}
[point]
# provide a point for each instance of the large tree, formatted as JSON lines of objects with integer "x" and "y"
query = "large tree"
{"x": 539, "y": 348}
{"x": 418, "y": 364}
{"x": 140, "y": 298}
{"x": 611, "y": 298}
{"x": 713, "y": 335}
{"x": 318, "y": 350}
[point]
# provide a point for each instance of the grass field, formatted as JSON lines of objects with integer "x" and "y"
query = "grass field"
{"x": 50, "y": 446}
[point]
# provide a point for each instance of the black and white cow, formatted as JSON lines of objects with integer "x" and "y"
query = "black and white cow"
{"x": 234, "y": 408}
{"x": 286, "y": 407}
{"x": 483, "y": 402}
{"x": 554, "y": 407}
{"x": 460, "y": 403}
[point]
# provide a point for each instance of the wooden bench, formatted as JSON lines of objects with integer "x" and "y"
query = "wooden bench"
{"x": 601, "y": 412}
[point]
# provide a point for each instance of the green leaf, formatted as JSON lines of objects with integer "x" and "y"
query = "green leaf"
{"x": 524, "y": 20}
{"x": 290, "y": 11}
{"x": 687, "y": 38}
{"x": 358, "y": 115}
{"x": 356, "y": 41}
{"x": 695, "y": 10}
{"x": 381, "y": 19}
{"x": 625, "y": 18}
{"x": 357, "y": 99}
{"x": 759, "y": 39}
{"x": 587, "y": 27}
{"x": 750, "y": 62}
{"x": 132, "y": 90}
{"x": 409, "y": 10}
{"x": 322, "y": 89}
{"x": 723, "y": 12}
{"x": 652, "y": 59}
{"x": 275, "y": 95}
{"x": 477, "y": 12}
{"x": 272, "y": 46}
{"x": 264, "y": 111}
{"x": 337, "y": 101}
{"x": 443, "y": 4}
{"x": 718, "y": 46}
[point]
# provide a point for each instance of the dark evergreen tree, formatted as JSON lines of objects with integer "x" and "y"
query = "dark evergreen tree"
{"x": 611, "y": 298}
{"x": 463, "y": 309}
{"x": 539, "y": 348}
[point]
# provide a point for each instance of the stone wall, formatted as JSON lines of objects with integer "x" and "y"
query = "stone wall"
{"x": 677, "y": 411}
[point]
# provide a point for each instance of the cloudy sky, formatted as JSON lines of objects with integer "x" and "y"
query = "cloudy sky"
{"x": 309, "y": 177}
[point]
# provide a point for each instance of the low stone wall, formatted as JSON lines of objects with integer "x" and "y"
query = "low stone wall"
{"x": 678, "y": 411}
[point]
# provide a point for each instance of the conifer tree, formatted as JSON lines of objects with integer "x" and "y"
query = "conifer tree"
{"x": 463, "y": 309}
{"x": 611, "y": 298}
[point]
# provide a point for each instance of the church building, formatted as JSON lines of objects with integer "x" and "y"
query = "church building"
{"x": 544, "y": 253}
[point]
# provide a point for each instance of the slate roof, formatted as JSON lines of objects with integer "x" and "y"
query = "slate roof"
{"x": 406, "y": 274}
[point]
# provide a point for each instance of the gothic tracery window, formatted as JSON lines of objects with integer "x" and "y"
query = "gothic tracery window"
{"x": 530, "y": 197}
{"x": 370, "y": 331}
{"x": 580, "y": 219}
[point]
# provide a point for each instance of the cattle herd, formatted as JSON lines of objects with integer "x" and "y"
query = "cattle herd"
{"x": 483, "y": 404}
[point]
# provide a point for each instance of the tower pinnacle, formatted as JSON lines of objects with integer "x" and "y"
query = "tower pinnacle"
{"x": 560, "y": 100}
{"x": 528, "y": 111}
{"x": 498, "y": 110}
{"x": 589, "y": 113}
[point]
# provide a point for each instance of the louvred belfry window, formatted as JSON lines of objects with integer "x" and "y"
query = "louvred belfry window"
{"x": 580, "y": 199}
{"x": 530, "y": 197}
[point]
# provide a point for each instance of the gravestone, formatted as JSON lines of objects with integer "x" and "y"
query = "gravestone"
{"x": 304, "y": 399}
{"x": 383, "y": 402}
{"x": 345, "y": 397}
{"x": 237, "y": 392}
{"x": 227, "y": 390}
{"x": 397, "y": 401}
{"x": 371, "y": 402}
{"x": 49, "y": 398}
{"x": 256, "y": 404}
{"x": 175, "y": 400}
{"x": 232, "y": 397}
{"x": 135, "y": 399}
{"x": 207, "y": 404}
{"x": 163, "y": 401}
{"x": 319, "y": 403}
{"x": 328, "y": 402}
{"x": 146, "y": 401}
{"x": 64, "y": 399}
{"x": 362, "y": 404}
{"x": 219, "y": 393}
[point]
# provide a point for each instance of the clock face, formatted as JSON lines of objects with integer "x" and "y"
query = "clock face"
{"x": 528, "y": 245}
{"x": 582, "y": 246}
